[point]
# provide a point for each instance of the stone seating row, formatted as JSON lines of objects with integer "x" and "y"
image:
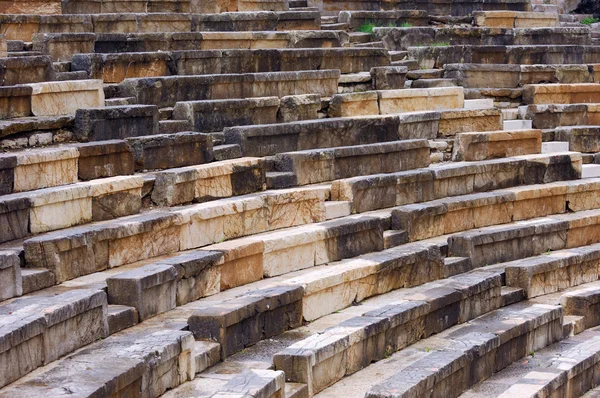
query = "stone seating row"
{"x": 496, "y": 144}
{"x": 514, "y": 19}
{"x": 565, "y": 368}
{"x": 399, "y": 39}
{"x": 168, "y": 90}
{"x": 142, "y": 6}
{"x": 22, "y": 27}
{"x": 514, "y": 76}
{"x": 437, "y": 56}
{"x": 269, "y": 140}
{"x": 114, "y": 68}
{"x": 455, "y": 214}
{"x": 585, "y": 139}
{"x": 543, "y": 94}
{"x": 559, "y": 115}
{"x": 395, "y": 17}
{"x": 243, "y": 40}
{"x": 380, "y": 191}
{"x": 437, "y": 7}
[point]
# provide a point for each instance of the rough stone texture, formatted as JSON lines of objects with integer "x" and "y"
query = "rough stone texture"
{"x": 107, "y": 159}
{"x": 164, "y": 151}
{"x": 15, "y": 101}
{"x": 62, "y": 46}
{"x": 388, "y": 77}
{"x": 21, "y": 70}
{"x": 293, "y": 108}
{"x": 499, "y": 144}
{"x": 11, "y": 282}
{"x": 243, "y": 321}
{"x": 116, "y": 122}
{"x": 64, "y": 98}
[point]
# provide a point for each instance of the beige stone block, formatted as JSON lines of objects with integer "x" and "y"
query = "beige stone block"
{"x": 65, "y": 97}
{"x": 207, "y": 283}
{"x": 35, "y": 7}
{"x": 45, "y": 168}
{"x": 354, "y": 104}
{"x": 242, "y": 262}
{"x": 144, "y": 245}
{"x": 288, "y": 251}
{"x": 536, "y": 20}
{"x": 288, "y": 208}
{"x": 472, "y": 120}
{"x": 495, "y": 19}
{"x": 3, "y": 46}
{"x": 61, "y": 207}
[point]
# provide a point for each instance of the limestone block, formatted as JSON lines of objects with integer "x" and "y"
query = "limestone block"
{"x": 198, "y": 274}
{"x": 258, "y": 382}
{"x": 64, "y": 98}
{"x": 60, "y": 207}
{"x": 293, "y": 108}
{"x": 582, "y": 302}
{"x": 388, "y": 77}
{"x": 214, "y": 116}
{"x": 489, "y": 145}
{"x": 109, "y": 23}
{"x": 121, "y": 317}
{"x": 30, "y": 7}
{"x": 288, "y": 251}
{"x": 62, "y": 46}
{"x": 114, "y": 68}
{"x": 106, "y": 159}
{"x": 11, "y": 282}
{"x": 3, "y": 46}
{"x": 243, "y": 321}
{"x": 42, "y": 168}
{"x": 291, "y": 207}
{"x": 470, "y": 120}
{"x": 495, "y": 19}
{"x": 8, "y": 162}
{"x": 354, "y": 104}
{"x": 164, "y": 22}
{"x": 411, "y": 100}
{"x": 151, "y": 289}
{"x": 165, "y": 151}
{"x": 242, "y": 261}
{"x": 20, "y": 70}
{"x": 115, "y": 197}
{"x": 561, "y": 93}
{"x": 482, "y": 75}
{"x": 116, "y": 122}
{"x": 15, "y": 101}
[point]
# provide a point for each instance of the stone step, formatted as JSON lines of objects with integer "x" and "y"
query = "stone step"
{"x": 379, "y": 18}
{"x": 166, "y": 91}
{"x": 460, "y": 213}
{"x": 114, "y": 68}
{"x": 557, "y": 368}
{"x": 548, "y": 8}
{"x": 515, "y": 76}
{"x": 480, "y": 104}
{"x": 309, "y": 167}
{"x": 394, "y": 325}
{"x": 578, "y": 93}
{"x": 438, "y": 56}
{"x": 497, "y": 144}
{"x": 440, "y": 181}
{"x": 372, "y": 44}
{"x": 227, "y": 152}
{"x": 398, "y": 55}
{"x": 560, "y": 115}
{"x": 411, "y": 64}
{"x": 49, "y": 327}
{"x": 337, "y": 210}
{"x": 432, "y": 83}
{"x": 138, "y": 361}
{"x": 313, "y": 134}
{"x": 534, "y": 237}
{"x": 120, "y": 101}
{"x": 334, "y": 26}
{"x": 360, "y": 37}
{"x": 171, "y": 231}
{"x": 173, "y": 126}
{"x": 399, "y": 38}
{"x": 500, "y": 19}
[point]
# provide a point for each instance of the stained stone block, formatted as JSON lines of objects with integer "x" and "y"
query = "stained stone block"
{"x": 489, "y": 145}
{"x": 15, "y": 101}
{"x": 116, "y": 197}
{"x": 11, "y": 282}
{"x": 42, "y": 168}
{"x": 151, "y": 289}
{"x": 165, "y": 151}
{"x": 60, "y": 207}
{"x": 213, "y": 116}
{"x": 121, "y": 317}
{"x": 21, "y": 70}
{"x": 62, "y": 46}
{"x": 198, "y": 274}
{"x": 258, "y": 382}
{"x": 208, "y": 182}
{"x": 8, "y": 162}
{"x": 293, "y": 108}
{"x": 244, "y": 321}
{"x": 388, "y": 77}
{"x": 470, "y": 120}
{"x": 30, "y": 7}
{"x": 64, "y": 98}
{"x": 114, "y": 68}
{"x": 105, "y": 159}
{"x": 116, "y": 122}
{"x": 242, "y": 261}
{"x": 539, "y": 94}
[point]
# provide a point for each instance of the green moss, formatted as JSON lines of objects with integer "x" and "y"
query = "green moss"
{"x": 367, "y": 27}
{"x": 589, "y": 21}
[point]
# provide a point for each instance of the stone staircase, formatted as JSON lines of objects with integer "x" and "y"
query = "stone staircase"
{"x": 298, "y": 198}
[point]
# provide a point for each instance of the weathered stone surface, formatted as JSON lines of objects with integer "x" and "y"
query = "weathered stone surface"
{"x": 43, "y": 168}
{"x": 64, "y": 98}
{"x": 21, "y": 70}
{"x": 114, "y": 68}
{"x": 293, "y": 108}
{"x": 30, "y": 7}
{"x": 561, "y": 93}
{"x": 215, "y": 115}
{"x": 321, "y": 165}
{"x": 166, "y": 91}
{"x": 243, "y": 321}
{"x": 11, "y": 282}
{"x": 106, "y": 159}
{"x": 62, "y": 46}
{"x": 388, "y": 77}
{"x": 116, "y": 122}
{"x": 15, "y": 101}
{"x": 164, "y": 151}
{"x": 498, "y": 144}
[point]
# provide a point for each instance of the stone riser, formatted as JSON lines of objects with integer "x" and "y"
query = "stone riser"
{"x": 22, "y": 70}
{"x": 492, "y": 245}
{"x": 509, "y": 19}
{"x": 397, "y": 189}
{"x": 546, "y": 94}
{"x": 166, "y": 91}
{"x": 395, "y": 101}
{"x": 496, "y": 144}
{"x": 323, "y": 359}
{"x": 270, "y": 140}
{"x": 22, "y": 27}
{"x": 399, "y": 39}
{"x": 446, "y": 216}
{"x": 114, "y": 68}
{"x": 331, "y": 7}
{"x": 437, "y": 57}
{"x": 153, "y": 42}
{"x": 516, "y": 76}
{"x": 581, "y": 139}
{"x": 311, "y": 167}
{"x": 560, "y": 115}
